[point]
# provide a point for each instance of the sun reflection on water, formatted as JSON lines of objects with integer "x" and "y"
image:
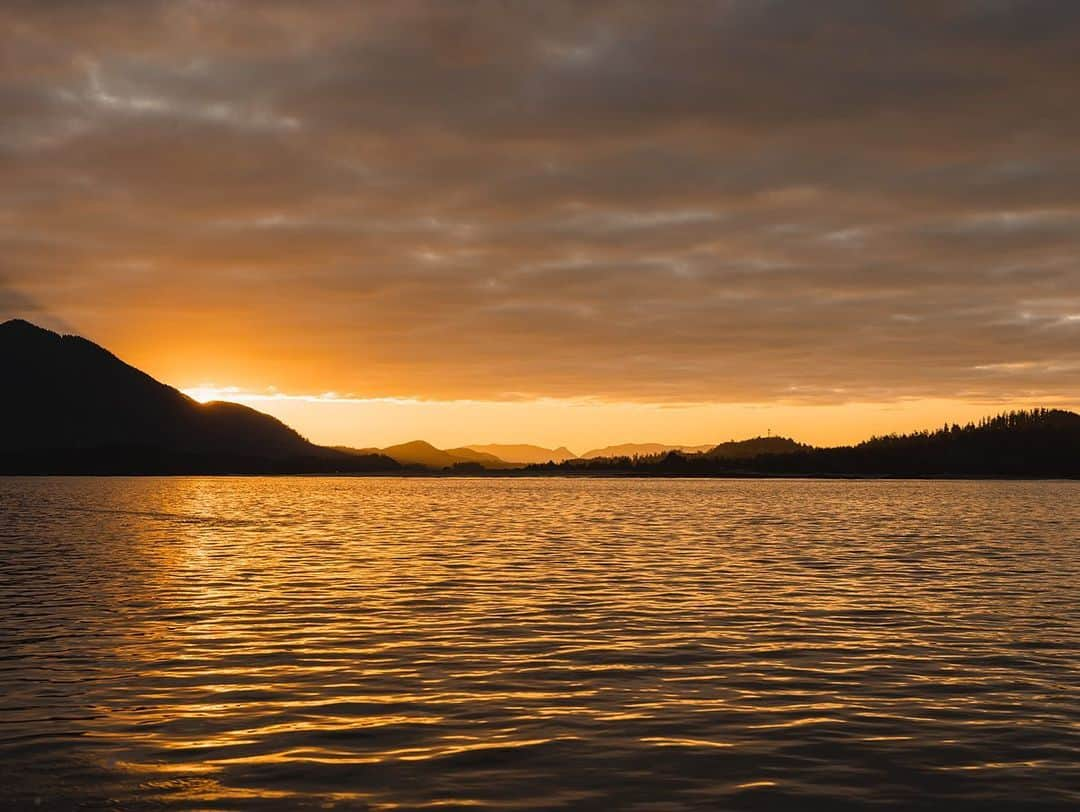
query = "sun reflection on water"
{"x": 392, "y": 643}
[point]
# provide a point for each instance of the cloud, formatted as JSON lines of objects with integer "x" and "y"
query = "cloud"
{"x": 722, "y": 201}
{"x": 15, "y": 305}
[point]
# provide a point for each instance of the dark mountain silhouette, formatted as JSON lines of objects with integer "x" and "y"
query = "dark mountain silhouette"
{"x": 1036, "y": 443}
{"x": 425, "y": 455}
{"x": 755, "y": 447}
{"x": 466, "y": 454}
{"x": 356, "y": 452}
{"x": 641, "y": 450}
{"x": 1039, "y": 442}
{"x": 71, "y": 405}
{"x": 422, "y": 453}
{"x": 524, "y": 454}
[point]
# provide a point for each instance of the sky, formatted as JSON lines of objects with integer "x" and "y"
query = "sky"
{"x": 562, "y": 223}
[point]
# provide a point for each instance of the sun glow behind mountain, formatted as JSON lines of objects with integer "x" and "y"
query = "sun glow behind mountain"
{"x": 207, "y": 393}
{"x": 556, "y": 223}
{"x": 580, "y": 423}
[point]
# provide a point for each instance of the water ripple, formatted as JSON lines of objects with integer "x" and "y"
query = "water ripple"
{"x": 259, "y": 643}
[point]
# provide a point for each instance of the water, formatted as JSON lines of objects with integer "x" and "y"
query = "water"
{"x": 538, "y": 643}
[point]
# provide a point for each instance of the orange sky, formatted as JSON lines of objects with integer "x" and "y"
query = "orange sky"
{"x": 582, "y": 425}
{"x": 556, "y": 222}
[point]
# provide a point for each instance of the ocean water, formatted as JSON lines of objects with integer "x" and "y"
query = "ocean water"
{"x": 251, "y": 643}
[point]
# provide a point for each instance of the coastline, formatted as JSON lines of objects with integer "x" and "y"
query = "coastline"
{"x": 503, "y": 474}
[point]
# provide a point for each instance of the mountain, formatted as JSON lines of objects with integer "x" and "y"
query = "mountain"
{"x": 356, "y": 452}
{"x": 70, "y": 406}
{"x": 66, "y": 399}
{"x": 419, "y": 452}
{"x": 642, "y": 450}
{"x": 755, "y": 447}
{"x": 1036, "y": 443}
{"x": 466, "y": 454}
{"x": 524, "y": 454}
{"x": 425, "y": 454}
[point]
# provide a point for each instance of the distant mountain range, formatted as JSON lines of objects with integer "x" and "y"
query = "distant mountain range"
{"x": 425, "y": 455}
{"x": 641, "y": 450}
{"x": 533, "y": 454}
{"x": 72, "y": 407}
{"x": 525, "y": 454}
{"x": 1036, "y": 443}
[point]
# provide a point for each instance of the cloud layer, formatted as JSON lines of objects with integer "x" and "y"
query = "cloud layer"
{"x": 723, "y": 201}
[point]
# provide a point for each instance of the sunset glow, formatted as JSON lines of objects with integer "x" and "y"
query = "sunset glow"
{"x": 584, "y": 423}
{"x": 580, "y": 405}
{"x": 578, "y": 209}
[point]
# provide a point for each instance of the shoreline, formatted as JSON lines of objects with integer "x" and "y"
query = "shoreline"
{"x": 542, "y": 475}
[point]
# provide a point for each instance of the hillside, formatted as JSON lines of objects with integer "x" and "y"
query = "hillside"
{"x": 424, "y": 454}
{"x": 72, "y": 402}
{"x": 642, "y": 450}
{"x": 755, "y": 447}
{"x": 1040, "y": 442}
{"x": 524, "y": 454}
{"x": 1037, "y": 443}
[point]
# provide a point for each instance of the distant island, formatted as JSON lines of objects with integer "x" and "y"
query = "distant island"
{"x": 72, "y": 407}
{"x": 1034, "y": 443}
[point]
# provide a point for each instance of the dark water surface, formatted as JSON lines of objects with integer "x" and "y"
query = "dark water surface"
{"x": 539, "y": 643}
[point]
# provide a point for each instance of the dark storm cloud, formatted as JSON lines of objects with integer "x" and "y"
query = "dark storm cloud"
{"x": 690, "y": 201}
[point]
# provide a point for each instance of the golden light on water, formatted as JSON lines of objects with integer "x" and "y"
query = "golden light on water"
{"x": 598, "y": 229}
{"x": 389, "y": 640}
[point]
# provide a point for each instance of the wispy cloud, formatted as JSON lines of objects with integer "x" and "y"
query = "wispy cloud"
{"x": 205, "y": 393}
{"x": 736, "y": 201}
